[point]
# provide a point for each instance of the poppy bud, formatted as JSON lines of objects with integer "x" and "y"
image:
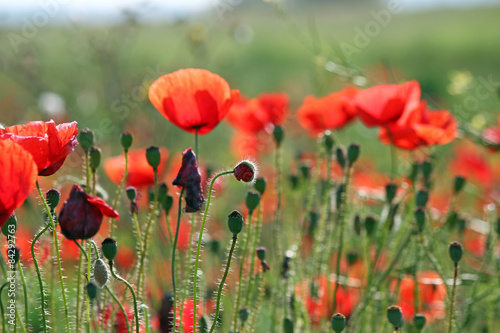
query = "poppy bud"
{"x": 260, "y": 185}
{"x": 245, "y": 171}
{"x": 95, "y": 157}
{"x": 426, "y": 168}
{"x": 162, "y": 192}
{"x": 261, "y": 253}
{"x": 203, "y": 325}
{"x": 352, "y": 257}
{"x": 278, "y": 133}
{"x": 414, "y": 172}
{"x": 395, "y": 316}
{"x": 419, "y": 321}
{"x": 459, "y": 184}
{"x": 353, "y": 153}
{"x": 153, "y": 156}
{"x": 294, "y": 181}
{"x": 455, "y": 251}
{"x": 422, "y": 198}
{"x": 288, "y": 325}
{"x": 91, "y": 290}
{"x": 305, "y": 170}
{"x": 9, "y": 228}
{"x": 243, "y": 314}
{"x": 357, "y": 225}
{"x": 390, "y": 192}
{"x": 313, "y": 222}
{"x": 235, "y": 222}
{"x": 126, "y": 140}
{"x": 189, "y": 178}
{"x": 101, "y": 274}
{"x": 338, "y": 322}
{"x": 109, "y": 248}
{"x": 252, "y": 200}
{"x": 341, "y": 157}
{"x": 167, "y": 203}
{"x": 370, "y": 225}
{"x": 328, "y": 141}
{"x": 53, "y": 197}
{"x": 86, "y": 139}
{"x": 131, "y": 193}
{"x": 451, "y": 219}
{"x": 420, "y": 218}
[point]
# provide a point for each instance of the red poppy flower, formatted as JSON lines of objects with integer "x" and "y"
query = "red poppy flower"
{"x": 418, "y": 126}
{"x": 380, "y": 105}
{"x": 17, "y": 177}
{"x": 492, "y": 136}
{"x": 139, "y": 172}
{"x": 192, "y": 99}
{"x": 261, "y": 113}
{"x": 471, "y": 164}
{"x": 334, "y": 111}
{"x": 81, "y": 215}
{"x": 49, "y": 144}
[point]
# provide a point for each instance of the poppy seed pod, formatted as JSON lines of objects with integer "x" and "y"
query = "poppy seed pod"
{"x": 390, "y": 192}
{"x": 252, "y": 200}
{"x": 338, "y": 322}
{"x": 53, "y": 197}
{"x": 109, "y": 248}
{"x": 395, "y": 316}
{"x": 131, "y": 193}
{"x": 95, "y": 157}
{"x": 455, "y": 251}
{"x": 328, "y": 141}
{"x": 126, "y": 140}
{"x": 419, "y": 321}
{"x": 279, "y": 134}
{"x": 153, "y": 156}
{"x": 235, "y": 222}
{"x": 86, "y": 139}
{"x": 260, "y": 185}
{"x": 101, "y": 274}
{"x": 189, "y": 178}
{"x": 353, "y": 152}
{"x": 420, "y": 218}
{"x": 459, "y": 184}
{"x": 91, "y": 290}
{"x": 10, "y": 227}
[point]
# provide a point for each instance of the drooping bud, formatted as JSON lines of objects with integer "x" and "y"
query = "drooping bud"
{"x": 53, "y": 197}
{"x": 395, "y": 316}
{"x": 109, "y": 248}
{"x": 235, "y": 222}
{"x": 101, "y": 274}
{"x": 245, "y": 171}
{"x": 422, "y": 198}
{"x": 338, "y": 322}
{"x": 458, "y": 184}
{"x": 252, "y": 200}
{"x": 328, "y": 141}
{"x": 279, "y": 134}
{"x": 126, "y": 140}
{"x": 340, "y": 153}
{"x": 189, "y": 178}
{"x": 456, "y": 251}
{"x": 419, "y": 321}
{"x": 91, "y": 290}
{"x": 260, "y": 185}
{"x": 86, "y": 139}
{"x": 390, "y": 192}
{"x": 9, "y": 228}
{"x": 153, "y": 156}
{"x": 420, "y": 218}
{"x": 353, "y": 152}
{"x": 95, "y": 157}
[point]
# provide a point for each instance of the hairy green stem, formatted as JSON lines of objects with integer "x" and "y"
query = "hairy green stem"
{"x": 452, "y": 301}
{"x": 25, "y": 292}
{"x": 39, "y": 275}
{"x": 129, "y": 286}
{"x": 174, "y": 287}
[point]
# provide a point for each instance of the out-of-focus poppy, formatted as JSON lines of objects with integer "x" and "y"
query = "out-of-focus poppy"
{"x": 81, "y": 215}
{"x": 258, "y": 114}
{"x": 48, "y": 144}
{"x": 192, "y": 99}
{"x": 334, "y": 111}
{"x": 471, "y": 164}
{"x": 125, "y": 258}
{"x": 420, "y": 127}
{"x": 17, "y": 177}
{"x": 491, "y": 136}
{"x": 139, "y": 172}
{"x": 380, "y": 105}
{"x": 244, "y": 145}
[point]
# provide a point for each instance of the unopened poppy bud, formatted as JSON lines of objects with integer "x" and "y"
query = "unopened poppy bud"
{"x": 414, "y": 172}
{"x": 338, "y": 322}
{"x": 426, "y": 168}
{"x": 101, "y": 274}
{"x": 260, "y": 185}
{"x": 153, "y": 156}
{"x": 455, "y": 251}
{"x": 203, "y": 326}
{"x": 126, "y": 140}
{"x": 131, "y": 193}
{"x": 53, "y": 197}
{"x": 162, "y": 192}
{"x": 341, "y": 157}
{"x": 91, "y": 290}
{"x": 357, "y": 225}
{"x": 235, "y": 222}
{"x": 261, "y": 253}
{"x": 305, "y": 170}
{"x": 328, "y": 141}
{"x": 10, "y": 226}
{"x": 243, "y": 314}
{"x": 422, "y": 198}
{"x": 390, "y": 192}
{"x": 352, "y": 257}
{"x": 420, "y": 218}
{"x": 353, "y": 153}
{"x": 313, "y": 222}
{"x": 395, "y": 316}
{"x": 95, "y": 157}
{"x": 279, "y": 134}
{"x": 252, "y": 200}
{"x": 459, "y": 184}
{"x": 109, "y": 248}
{"x": 86, "y": 139}
{"x": 245, "y": 171}
{"x": 419, "y": 321}
{"x": 167, "y": 203}
{"x": 288, "y": 325}
{"x": 370, "y": 225}
{"x": 294, "y": 181}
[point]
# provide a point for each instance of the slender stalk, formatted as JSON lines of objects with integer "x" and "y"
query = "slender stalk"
{"x": 277, "y": 213}
{"x": 118, "y": 193}
{"x": 452, "y": 301}
{"x": 173, "y": 258}
{"x": 129, "y": 286}
{"x": 188, "y": 273}
{"x": 259, "y": 304}
{"x": 137, "y": 230}
{"x": 256, "y": 238}
{"x": 1, "y": 307}
{"x": 89, "y": 260}
{"x": 129, "y": 329}
{"x": 78, "y": 286}
{"x": 87, "y": 171}
{"x": 39, "y": 275}
{"x": 200, "y": 238}
{"x": 94, "y": 181}
{"x": 25, "y": 292}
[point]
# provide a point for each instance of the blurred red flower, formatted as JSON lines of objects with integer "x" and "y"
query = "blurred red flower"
{"x": 81, "y": 215}
{"x": 17, "y": 177}
{"x": 418, "y": 126}
{"x": 261, "y": 113}
{"x": 492, "y": 136}
{"x": 334, "y": 111}
{"x": 380, "y": 105}
{"x": 49, "y": 144}
{"x": 471, "y": 164}
{"x": 139, "y": 172}
{"x": 192, "y": 99}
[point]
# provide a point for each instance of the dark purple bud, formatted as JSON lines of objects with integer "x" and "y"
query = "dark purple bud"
{"x": 189, "y": 178}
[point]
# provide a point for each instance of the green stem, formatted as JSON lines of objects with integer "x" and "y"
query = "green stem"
{"x": 89, "y": 260}
{"x": 87, "y": 171}
{"x": 1, "y": 307}
{"x": 39, "y": 275}
{"x": 222, "y": 282}
{"x": 129, "y": 286}
{"x": 118, "y": 193}
{"x": 198, "y": 247}
{"x": 120, "y": 306}
{"x": 25, "y": 292}
{"x": 94, "y": 181}
{"x": 277, "y": 213}
{"x": 173, "y": 259}
{"x": 453, "y": 292}
{"x": 256, "y": 238}
{"x": 137, "y": 230}
{"x": 188, "y": 273}
{"x": 257, "y": 308}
